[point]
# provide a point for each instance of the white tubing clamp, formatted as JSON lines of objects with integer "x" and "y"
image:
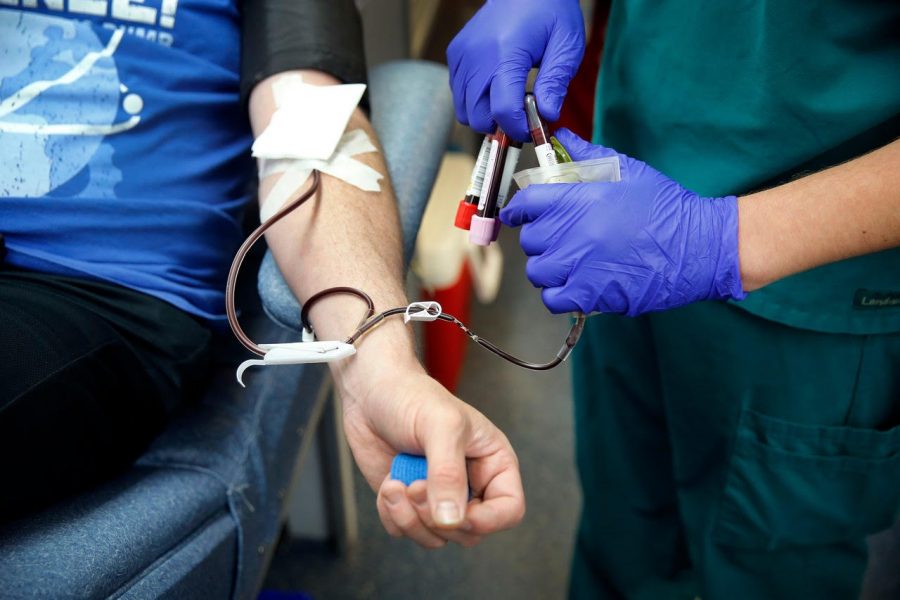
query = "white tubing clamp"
{"x": 297, "y": 353}
{"x": 422, "y": 311}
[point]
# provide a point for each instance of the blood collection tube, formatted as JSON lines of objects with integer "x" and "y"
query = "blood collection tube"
{"x": 484, "y": 224}
{"x": 546, "y": 155}
{"x": 469, "y": 205}
{"x": 548, "y": 149}
{"x": 512, "y": 162}
{"x": 509, "y": 167}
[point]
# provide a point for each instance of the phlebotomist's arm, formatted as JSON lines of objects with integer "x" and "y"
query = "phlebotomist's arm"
{"x": 647, "y": 243}
{"x": 845, "y": 211}
{"x": 348, "y": 237}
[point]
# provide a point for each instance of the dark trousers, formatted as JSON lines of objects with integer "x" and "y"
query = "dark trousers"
{"x": 89, "y": 374}
{"x": 726, "y": 456}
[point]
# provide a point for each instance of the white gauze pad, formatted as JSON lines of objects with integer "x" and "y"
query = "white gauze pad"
{"x": 308, "y": 119}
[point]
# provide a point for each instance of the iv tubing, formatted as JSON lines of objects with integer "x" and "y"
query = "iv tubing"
{"x": 370, "y": 320}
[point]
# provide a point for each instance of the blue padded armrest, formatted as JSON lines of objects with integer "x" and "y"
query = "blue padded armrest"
{"x": 97, "y": 544}
{"x": 412, "y": 113}
{"x": 189, "y": 519}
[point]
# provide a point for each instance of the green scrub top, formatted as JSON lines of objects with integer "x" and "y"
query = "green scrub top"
{"x": 733, "y": 97}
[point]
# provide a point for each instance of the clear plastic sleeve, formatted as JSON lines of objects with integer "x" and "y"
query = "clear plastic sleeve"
{"x": 585, "y": 171}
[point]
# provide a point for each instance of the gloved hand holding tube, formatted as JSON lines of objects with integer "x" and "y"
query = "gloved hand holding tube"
{"x": 491, "y": 57}
{"x": 642, "y": 244}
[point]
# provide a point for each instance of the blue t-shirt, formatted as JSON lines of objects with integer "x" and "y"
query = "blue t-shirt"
{"x": 124, "y": 148}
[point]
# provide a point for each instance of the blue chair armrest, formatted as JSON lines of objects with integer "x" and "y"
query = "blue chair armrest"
{"x": 188, "y": 520}
{"x": 412, "y": 113}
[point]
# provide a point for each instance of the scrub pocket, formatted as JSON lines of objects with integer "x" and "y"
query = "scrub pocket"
{"x": 792, "y": 484}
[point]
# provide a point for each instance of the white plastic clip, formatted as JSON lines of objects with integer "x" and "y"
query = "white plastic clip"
{"x": 422, "y": 311}
{"x": 297, "y": 353}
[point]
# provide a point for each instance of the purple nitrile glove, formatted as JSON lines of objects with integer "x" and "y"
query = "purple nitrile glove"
{"x": 492, "y": 55}
{"x": 630, "y": 247}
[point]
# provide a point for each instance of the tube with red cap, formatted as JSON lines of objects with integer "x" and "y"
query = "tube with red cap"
{"x": 469, "y": 205}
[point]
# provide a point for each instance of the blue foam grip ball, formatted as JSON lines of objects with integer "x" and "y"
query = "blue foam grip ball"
{"x": 409, "y": 468}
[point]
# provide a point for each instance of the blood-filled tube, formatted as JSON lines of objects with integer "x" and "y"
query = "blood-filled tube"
{"x": 469, "y": 205}
{"x": 484, "y": 224}
{"x": 540, "y": 135}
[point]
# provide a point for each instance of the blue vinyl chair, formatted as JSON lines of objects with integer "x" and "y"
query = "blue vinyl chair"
{"x": 200, "y": 513}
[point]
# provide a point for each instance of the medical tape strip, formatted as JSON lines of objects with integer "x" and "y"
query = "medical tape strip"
{"x": 286, "y": 187}
{"x": 340, "y": 165}
{"x": 352, "y": 143}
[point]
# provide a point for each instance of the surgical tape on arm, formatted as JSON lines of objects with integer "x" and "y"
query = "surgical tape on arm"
{"x": 341, "y": 165}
